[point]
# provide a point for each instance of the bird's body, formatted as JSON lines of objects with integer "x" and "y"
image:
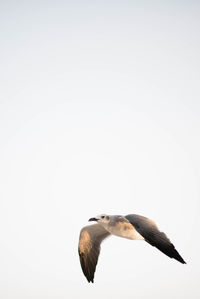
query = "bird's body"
{"x": 134, "y": 227}
{"x": 122, "y": 228}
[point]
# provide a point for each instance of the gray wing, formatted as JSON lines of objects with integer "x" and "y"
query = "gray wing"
{"x": 90, "y": 240}
{"x": 150, "y": 232}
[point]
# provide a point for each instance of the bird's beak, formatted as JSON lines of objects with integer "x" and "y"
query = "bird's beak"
{"x": 93, "y": 219}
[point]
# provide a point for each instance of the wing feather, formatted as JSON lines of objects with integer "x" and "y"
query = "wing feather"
{"x": 90, "y": 240}
{"x": 149, "y": 230}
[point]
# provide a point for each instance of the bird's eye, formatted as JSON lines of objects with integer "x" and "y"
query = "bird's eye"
{"x": 102, "y": 217}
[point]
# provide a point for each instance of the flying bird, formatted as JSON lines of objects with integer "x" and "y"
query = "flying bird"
{"x": 133, "y": 227}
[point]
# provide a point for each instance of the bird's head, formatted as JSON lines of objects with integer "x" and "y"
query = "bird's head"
{"x": 102, "y": 219}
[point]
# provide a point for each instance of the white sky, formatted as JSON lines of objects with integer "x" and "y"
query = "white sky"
{"x": 99, "y": 113}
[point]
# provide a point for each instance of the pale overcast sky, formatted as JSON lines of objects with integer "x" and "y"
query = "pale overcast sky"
{"x": 99, "y": 113}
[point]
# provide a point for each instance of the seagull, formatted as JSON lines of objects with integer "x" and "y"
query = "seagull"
{"x": 132, "y": 226}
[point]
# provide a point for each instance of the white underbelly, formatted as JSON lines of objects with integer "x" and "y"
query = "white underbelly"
{"x": 125, "y": 230}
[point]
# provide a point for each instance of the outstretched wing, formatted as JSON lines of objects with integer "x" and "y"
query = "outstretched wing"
{"x": 90, "y": 240}
{"x": 149, "y": 230}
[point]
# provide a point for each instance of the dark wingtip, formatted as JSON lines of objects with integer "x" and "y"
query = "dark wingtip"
{"x": 183, "y": 262}
{"x": 178, "y": 257}
{"x": 90, "y": 279}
